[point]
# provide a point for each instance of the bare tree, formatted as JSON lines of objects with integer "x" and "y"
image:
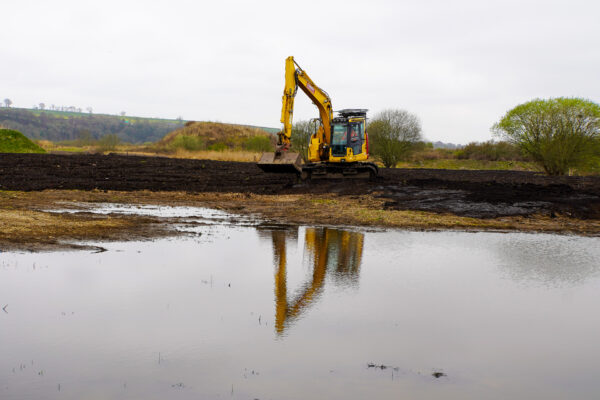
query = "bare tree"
{"x": 392, "y": 135}
{"x": 89, "y": 109}
{"x": 301, "y": 133}
{"x": 42, "y": 106}
{"x": 8, "y": 102}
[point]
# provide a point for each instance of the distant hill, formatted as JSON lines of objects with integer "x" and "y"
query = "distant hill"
{"x": 442, "y": 145}
{"x": 61, "y": 125}
{"x": 12, "y": 141}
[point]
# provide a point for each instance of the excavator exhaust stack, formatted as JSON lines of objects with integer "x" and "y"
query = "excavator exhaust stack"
{"x": 282, "y": 161}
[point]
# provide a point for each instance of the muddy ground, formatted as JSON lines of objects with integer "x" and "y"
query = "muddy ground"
{"x": 476, "y": 194}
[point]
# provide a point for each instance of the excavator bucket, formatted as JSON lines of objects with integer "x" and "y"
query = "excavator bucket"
{"x": 281, "y": 162}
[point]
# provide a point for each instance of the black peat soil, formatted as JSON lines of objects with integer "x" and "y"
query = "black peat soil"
{"x": 480, "y": 194}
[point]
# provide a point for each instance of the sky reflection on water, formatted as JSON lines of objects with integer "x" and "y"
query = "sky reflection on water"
{"x": 296, "y": 313}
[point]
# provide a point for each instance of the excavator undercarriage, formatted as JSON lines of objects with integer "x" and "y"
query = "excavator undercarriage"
{"x": 339, "y": 171}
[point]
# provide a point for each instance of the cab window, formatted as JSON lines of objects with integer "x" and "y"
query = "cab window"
{"x": 356, "y": 132}
{"x": 339, "y": 134}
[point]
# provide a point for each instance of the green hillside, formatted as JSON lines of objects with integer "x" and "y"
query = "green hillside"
{"x": 66, "y": 125}
{"x": 15, "y": 142}
{"x": 58, "y": 126}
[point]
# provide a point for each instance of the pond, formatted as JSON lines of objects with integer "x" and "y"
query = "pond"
{"x": 252, "y": 311}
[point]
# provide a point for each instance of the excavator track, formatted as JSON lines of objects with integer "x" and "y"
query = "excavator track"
{"x": 357, "y": 170}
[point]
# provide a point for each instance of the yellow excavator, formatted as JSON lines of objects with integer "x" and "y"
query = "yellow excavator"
{"x": 339, "y": 147}
{"x": 334, "y": 253}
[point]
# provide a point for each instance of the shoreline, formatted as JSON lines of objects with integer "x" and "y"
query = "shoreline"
{"x": 32, "y": 221}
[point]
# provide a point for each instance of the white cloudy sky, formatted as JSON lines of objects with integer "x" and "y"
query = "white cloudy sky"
{"x": 459, "y": 65}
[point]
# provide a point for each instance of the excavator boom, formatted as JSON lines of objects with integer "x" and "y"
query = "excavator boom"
{"x": 282, "y": 160}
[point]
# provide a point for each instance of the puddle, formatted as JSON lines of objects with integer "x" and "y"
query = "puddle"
{"x": 273, "y": 311}
{"x": 184, "y": 218}
{"x": 193, "y": 213}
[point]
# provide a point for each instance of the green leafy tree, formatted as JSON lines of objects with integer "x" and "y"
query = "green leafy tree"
{"x": 393, "y": 134}
{"x": 558, "y": 134}
{"x": 301, "y": 133}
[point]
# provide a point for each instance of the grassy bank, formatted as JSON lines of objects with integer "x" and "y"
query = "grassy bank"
{"x": 24, "y": 226}
{"x": 470, "y": 164}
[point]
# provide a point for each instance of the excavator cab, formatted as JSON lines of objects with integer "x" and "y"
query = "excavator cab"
{"x": 348, "y": 135}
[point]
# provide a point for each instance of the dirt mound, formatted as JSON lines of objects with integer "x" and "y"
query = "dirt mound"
{"x": 214, "y": 132}
{"x": 482, "y": 194}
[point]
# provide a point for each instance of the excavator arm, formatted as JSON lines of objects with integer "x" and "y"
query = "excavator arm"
{"x": 282, "y": 160}
{"x": 298, "y": 78}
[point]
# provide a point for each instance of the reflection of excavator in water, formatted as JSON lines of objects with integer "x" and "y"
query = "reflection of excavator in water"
{"x": 338, "y": 148}
{"x": 334, "y": 252}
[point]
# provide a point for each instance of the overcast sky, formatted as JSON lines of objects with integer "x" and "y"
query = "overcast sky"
{"x": 458, "y": 65}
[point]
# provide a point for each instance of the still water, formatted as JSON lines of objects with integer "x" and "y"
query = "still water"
{"x": 251, "y": 312}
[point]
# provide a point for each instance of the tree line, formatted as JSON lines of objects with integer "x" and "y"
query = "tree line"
{"x": 558, "y": 134}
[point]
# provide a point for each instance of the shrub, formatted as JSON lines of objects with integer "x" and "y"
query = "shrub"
{"x": 490, "y": 151}
{"x": 189, "y": 143}
{"x": 558, "y": 134}
{"x": 108, "y": 143}
{"x": 393, "y": 134}
{"x": 432, "y": 154}
{"x": 218, "y": 147}
{"x": 258, "y": 144}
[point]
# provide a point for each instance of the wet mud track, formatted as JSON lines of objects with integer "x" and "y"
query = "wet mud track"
{"x": 481, "y": 194}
